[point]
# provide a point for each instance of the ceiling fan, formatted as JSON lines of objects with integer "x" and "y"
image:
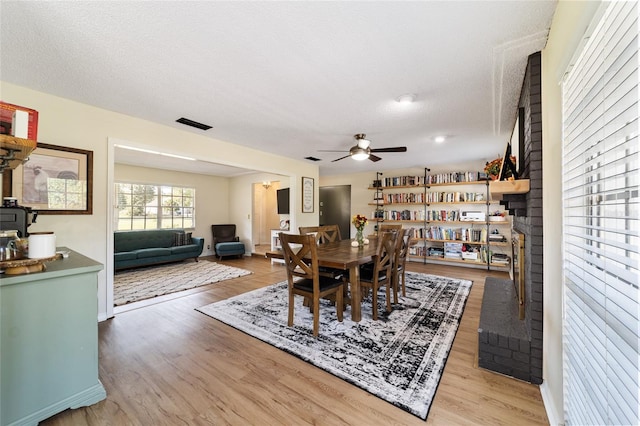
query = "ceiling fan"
{"x": 361, "y": 150}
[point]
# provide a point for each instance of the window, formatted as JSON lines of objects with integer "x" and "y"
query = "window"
{"x": 154, "y": 206}
{"x": 601, "y": 224}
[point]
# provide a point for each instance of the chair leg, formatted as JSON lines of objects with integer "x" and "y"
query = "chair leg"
{"x": 290, "y": 322}
{"x": 339, "y": 305}
{"x": 316, "y": 314}
{"x": 394, "y": 283}
{"x": 388, "y": 289}
{"x": 374, "y": 302}
{"x": 404, "y": 287}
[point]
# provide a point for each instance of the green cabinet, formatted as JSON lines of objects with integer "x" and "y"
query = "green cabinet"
{"x": 49, "y": 341}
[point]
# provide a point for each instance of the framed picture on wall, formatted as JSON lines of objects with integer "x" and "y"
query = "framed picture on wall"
{"x": 307, "y": 195}
{"x": 55, "y": 180}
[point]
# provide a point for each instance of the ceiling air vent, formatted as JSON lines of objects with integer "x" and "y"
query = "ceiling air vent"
{"x": 192, "y": 123}
{"x": 312, "y": 158}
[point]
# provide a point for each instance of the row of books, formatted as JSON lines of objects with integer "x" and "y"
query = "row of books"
{"x": 457, "y": 234}
{"x": 429, "y": 215}
{"x": 454, "y": 177}
{"x": 479, "y": 255}
{"x": 429, "y": 197}
{"x": 399, "y": 214}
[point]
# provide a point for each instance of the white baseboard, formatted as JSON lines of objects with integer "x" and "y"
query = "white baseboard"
{"x": 555, "y": 417}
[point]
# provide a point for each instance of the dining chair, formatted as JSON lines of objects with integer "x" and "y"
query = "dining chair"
{"x": 301, "y": 260}
{"x": 324, "y": 233}
{"x": 386, "y": 227}
{"x": 380, "y": 273}
{"x": 402, "y": 250}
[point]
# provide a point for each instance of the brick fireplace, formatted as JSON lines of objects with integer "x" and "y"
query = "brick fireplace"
{"x": 506, "y": 343}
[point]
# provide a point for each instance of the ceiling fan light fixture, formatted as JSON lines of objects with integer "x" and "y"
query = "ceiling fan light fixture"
{"x": 407, "y": 98}
{"x": 359, "y": 154}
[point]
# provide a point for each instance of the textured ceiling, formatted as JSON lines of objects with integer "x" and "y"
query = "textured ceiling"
{"x": 291, "y": 78}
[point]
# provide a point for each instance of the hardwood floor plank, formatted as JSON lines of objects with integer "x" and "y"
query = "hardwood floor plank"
{"x": 164, "y": 363}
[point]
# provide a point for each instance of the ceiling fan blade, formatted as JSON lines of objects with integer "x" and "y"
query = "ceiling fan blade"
{"x": 394, "y": 149}
{"x": 341, "y": 158}
{"x": 374, "y": 158}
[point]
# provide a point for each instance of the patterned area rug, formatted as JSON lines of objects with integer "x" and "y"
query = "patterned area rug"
{"x": 145, "y": 283}
{"x": 399, "y": 358}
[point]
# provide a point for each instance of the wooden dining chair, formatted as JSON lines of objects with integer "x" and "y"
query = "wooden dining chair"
{"x": 386, "y": 227}
{"x": 402, "y": 250}
{"x": 324, "y": 233}
{"x": 380, "y": 273}
{"x": 301, "y": 260}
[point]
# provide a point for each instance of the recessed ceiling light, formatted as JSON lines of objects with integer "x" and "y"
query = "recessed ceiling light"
{"x": 439, "y": 139}
{"x": 406, "y": 98}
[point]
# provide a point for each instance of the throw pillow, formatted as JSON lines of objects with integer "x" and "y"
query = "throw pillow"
{"x": 186, "y": 239}
{"x": 178, "y": 239}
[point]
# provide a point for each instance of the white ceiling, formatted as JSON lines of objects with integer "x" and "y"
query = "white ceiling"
{"x": 291, "y": 78}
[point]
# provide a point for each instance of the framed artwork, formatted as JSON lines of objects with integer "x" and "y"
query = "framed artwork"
{"x": 307, "y": 195}
{"x": 55, "y": 180}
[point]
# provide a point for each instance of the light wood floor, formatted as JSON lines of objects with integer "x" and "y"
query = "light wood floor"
{"x": 167, "y": 364}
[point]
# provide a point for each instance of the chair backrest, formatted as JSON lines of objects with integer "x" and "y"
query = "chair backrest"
{"x": 385, "y": 254}
{"x": 406, "y": 243}
{"x": 300, "y": 256}
{"x": 223, "y": 233}
{"x": 324, "y": 234}
{"x": 402, "y": 246}
{"x": 385, "y": 227}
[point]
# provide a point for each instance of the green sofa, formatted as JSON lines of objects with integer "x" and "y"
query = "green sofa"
{"x": 148, "y": 247}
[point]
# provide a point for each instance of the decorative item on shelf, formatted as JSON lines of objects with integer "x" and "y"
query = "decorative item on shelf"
{"x": 359, "y": 222}
{"x": 497, "y": 216}
{"x": 492, "y": 168}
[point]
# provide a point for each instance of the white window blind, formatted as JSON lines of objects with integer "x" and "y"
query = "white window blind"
{"x": 600, "y": 224}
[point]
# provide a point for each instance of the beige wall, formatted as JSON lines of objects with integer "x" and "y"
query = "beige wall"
{"x": 569, "y": 24}
{"x": 212, "y": 194}
{"x": 73, "y": 124}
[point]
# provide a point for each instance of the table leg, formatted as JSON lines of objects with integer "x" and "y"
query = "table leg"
{"x": 354, "y": 278}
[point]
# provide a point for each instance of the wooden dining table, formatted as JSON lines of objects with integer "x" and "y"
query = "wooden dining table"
{"x": 341, "y": 255}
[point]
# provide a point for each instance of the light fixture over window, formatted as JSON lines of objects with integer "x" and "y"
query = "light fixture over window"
{"x": 439, "y": 139}
{"x": 266, "y": 184}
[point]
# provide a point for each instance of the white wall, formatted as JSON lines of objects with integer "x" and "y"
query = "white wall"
{"x": 72, "y": 124}
{"x": 569, "y": 24}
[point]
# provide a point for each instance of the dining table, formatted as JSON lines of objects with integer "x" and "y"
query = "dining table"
{"x": 342, "y": 255}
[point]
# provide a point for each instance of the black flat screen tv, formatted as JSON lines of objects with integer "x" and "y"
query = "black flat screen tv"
{"x": 283, "y": 200}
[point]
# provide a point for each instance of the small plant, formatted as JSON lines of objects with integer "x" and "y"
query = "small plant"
{"x": 359, "y": 222}
{"x": 492, "y": 168}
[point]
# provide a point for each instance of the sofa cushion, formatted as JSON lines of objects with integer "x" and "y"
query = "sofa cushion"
{"x": 187, "y": 248}
{"x": 125, "y": 255}
{"x": 225, "y": 249}
{"x": 134, "y": 240}
{"x": 152, "y": 252}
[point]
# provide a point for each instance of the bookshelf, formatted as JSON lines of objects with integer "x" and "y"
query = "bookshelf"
{"x": 453, "y": 218}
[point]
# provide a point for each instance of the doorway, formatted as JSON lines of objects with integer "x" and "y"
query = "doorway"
{"x": 265, "y": 216}
{"x": 335, "y": 208}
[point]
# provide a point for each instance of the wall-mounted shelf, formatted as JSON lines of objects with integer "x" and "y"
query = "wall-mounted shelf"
{"x": 14, "y": 151}
{"x": 498, "y": 188}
